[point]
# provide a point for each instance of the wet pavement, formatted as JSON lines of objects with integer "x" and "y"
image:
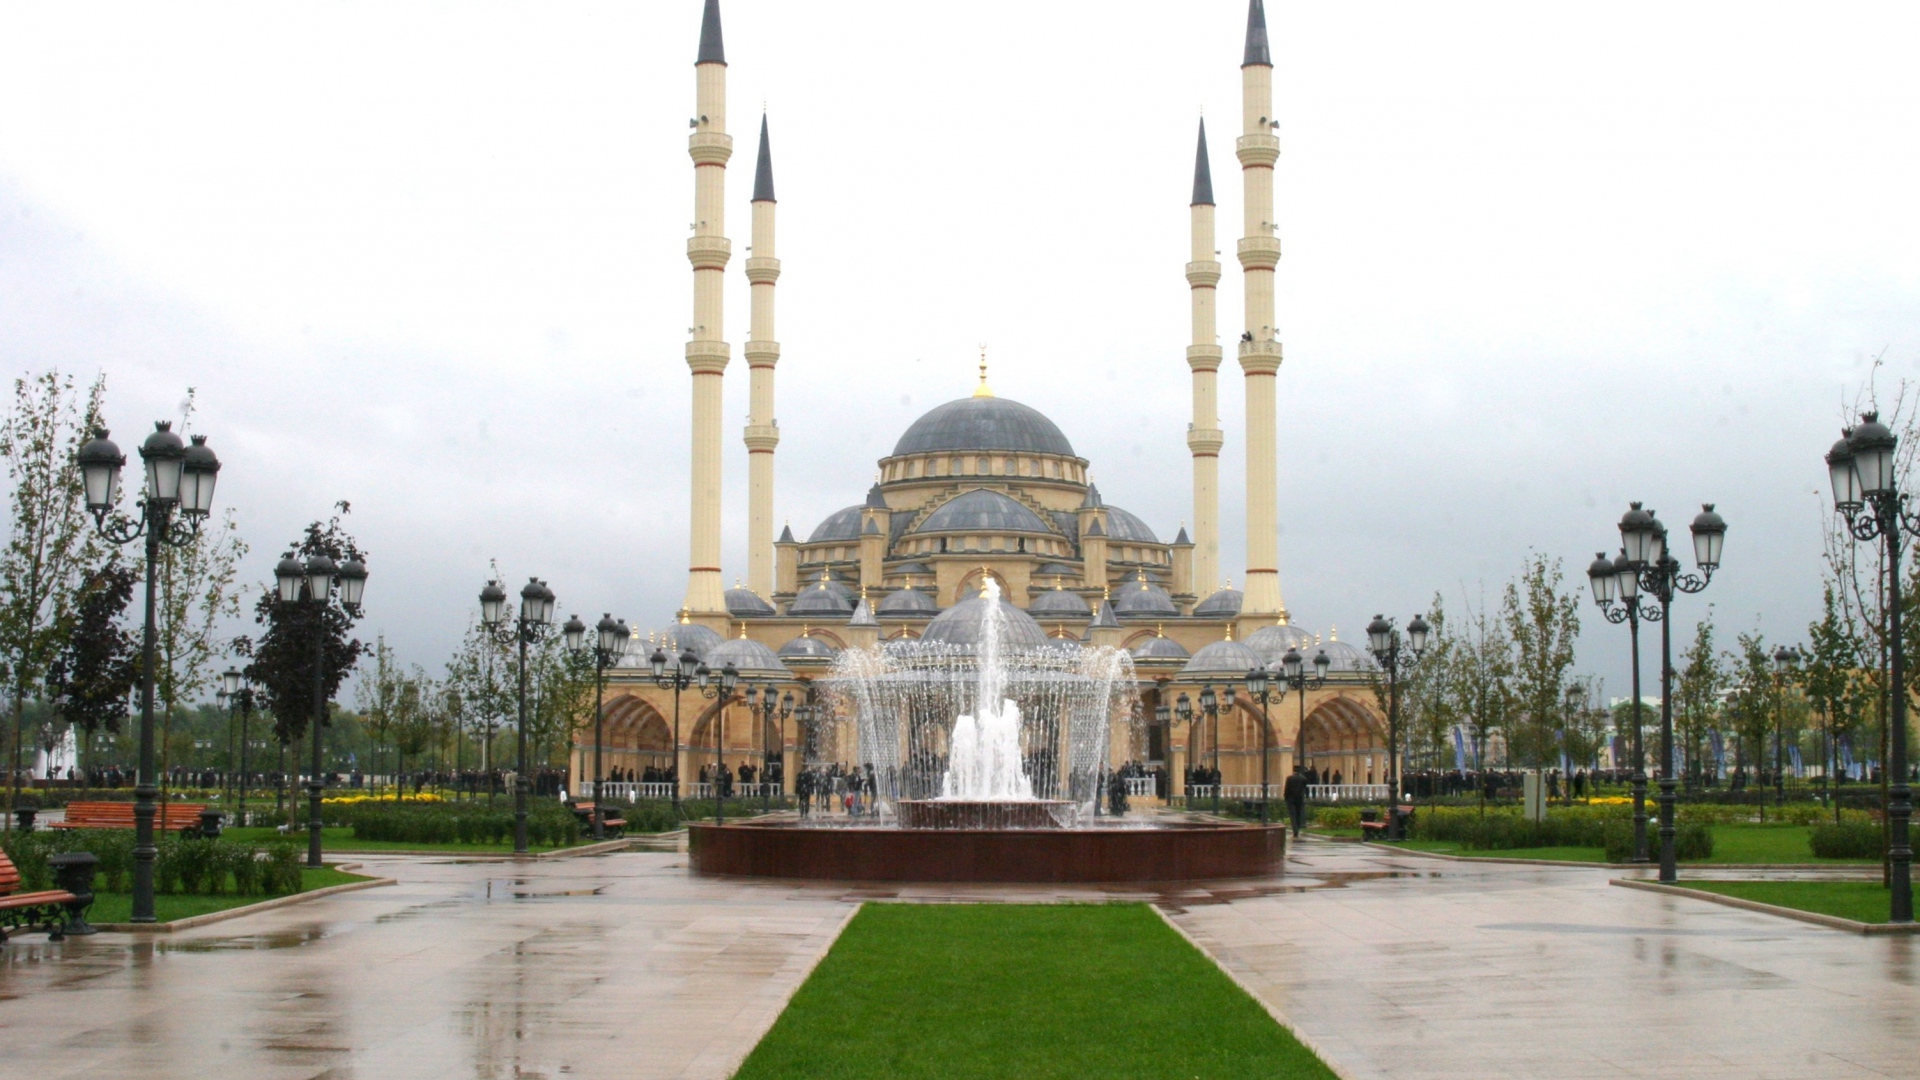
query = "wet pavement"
{"x": 627, "y": 966}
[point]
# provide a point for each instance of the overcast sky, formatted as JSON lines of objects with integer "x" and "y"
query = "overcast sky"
{"x": 430, "y": 258}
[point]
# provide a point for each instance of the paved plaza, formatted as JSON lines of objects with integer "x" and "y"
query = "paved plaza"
{"x": 626, "y": 966}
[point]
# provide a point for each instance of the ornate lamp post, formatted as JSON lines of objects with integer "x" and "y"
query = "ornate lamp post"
{"x": 764, "y": 706}
{"x": 309, "y": 586}
{"x": 1616, "y": 589}
{"x": 1646, "y": 564}
{"x": 610, "y": 643}
{"x": 179, "y": 481}
{"x": 1210, "y": 707}
{"x": 1293, "y": 675}
{"x": 1258, "y": 688}
{"x": 1383, "y": 637}
{"x": 722, "y": 689}
{"x": 678, "y": 677}
{"x": 1785, "y": 660}
{"x": 239, "y": 693}
{"x": 536, "y": 614}
{"x": 1867, "y": 490}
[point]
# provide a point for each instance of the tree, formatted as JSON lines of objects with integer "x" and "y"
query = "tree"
{"x": 1750, "y": 706}
{"x": 379, "y": 692}
{"x": 1830, "y": 676}
{"x": 97, "y": 668}
{"x": 282, "y": 668}
{"x": 480, "y": 677}
{"x": 1696, "y": 697}
{"x": 1483, "y": 678}
{"x": 1428, "y": 706}
{"x": 1542, "y": 622}
{"x": 51, "y": 540}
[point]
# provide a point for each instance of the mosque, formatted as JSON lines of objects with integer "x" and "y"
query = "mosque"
{"x": 986, "y": 487}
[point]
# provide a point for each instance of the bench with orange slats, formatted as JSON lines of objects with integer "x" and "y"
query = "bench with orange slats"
{"x": 611, "y": 824}
{"x": 175, "y": 817}
{"x": 50, "y": 910}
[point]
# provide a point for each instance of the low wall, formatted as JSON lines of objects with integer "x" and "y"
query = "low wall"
{"x": 1170, "y": 853}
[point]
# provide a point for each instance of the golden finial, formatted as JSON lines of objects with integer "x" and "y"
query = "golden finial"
{"x": 685, "y": 618}
{"x": 1333, "y": 633}
{"x": 1229, "y": 631}
{"x": 805, "y": 630}
{"x": 1143, "y": 577}
{"x": 743, "y": 631}
{"x": 1106, "y": 592}
{"x": 1159, "y": 630}
{"x": 983, "y": 390}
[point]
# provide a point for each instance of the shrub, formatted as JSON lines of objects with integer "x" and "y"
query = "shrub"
{"x": 1336, "y": 817}
{"x": 1504, "y": 829}
{"x": 434, "y": 822}
{"x": 1849, "y": 840}
{"x": 184, "y": 865}
{"x": 1692, "y": 841}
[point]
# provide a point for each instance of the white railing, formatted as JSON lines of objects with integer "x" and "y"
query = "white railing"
{"x": 1347, "y": 792}
{"x": 1231, "y": 791}
{"x": 631, "y": 792}
{"x": 1141, "y": 787}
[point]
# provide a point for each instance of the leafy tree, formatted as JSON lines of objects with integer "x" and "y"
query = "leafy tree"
{"x": 1830, "y": 675}
{"x": 96, "y": 670}
{"x": 1428, "y": 706}
{"x": 1750, "y": 706}
{"x": 282, "y": 668}
{"x": 1482, "y": 678}
{"x": 1696, "y": 695}
{"x": 51, "y": 540}
{"x": 1542, "y": 621}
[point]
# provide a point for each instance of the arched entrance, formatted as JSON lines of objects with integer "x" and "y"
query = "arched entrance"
{"x": 1343, "y": 741}
{"x": 635, "y": 737}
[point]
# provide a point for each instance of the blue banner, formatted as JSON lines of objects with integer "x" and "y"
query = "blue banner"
{"x": 1459, "y": 750}
{"x": 1799, "y": 767}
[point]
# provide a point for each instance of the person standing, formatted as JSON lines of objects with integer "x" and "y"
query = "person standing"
{"x": 1294, "y": 792}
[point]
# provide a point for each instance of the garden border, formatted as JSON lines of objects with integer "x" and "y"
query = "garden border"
{"x": 1832, "y": 922}
{"x": 192, "y": 921}
{"x": 1384, "y": 847}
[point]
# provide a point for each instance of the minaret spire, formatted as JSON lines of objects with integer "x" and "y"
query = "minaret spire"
{"x": 708, "y": 250}
{"x": 1204, "y": 437}
{"x": 762, "y": 352}
{"x": 1258, "y": 149}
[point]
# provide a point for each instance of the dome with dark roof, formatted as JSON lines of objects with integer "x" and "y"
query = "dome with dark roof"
{"x": 1224, "y": 604}
{"x": 747, "y": 604}
{"x": 1159, "y": 648}
{"x": 1127, "y": 528}
{"x": 807, "y": 649}
{"x": 820, "y": 598}
{"x": 1060, "y": 603}
{"x": 907, "y": 602}
{"x": 1231, "y": 659}
{"x": 842, "y": 524}
{"x": 679, "y": 636}
{"x": 919, "y": 569}
{"x": 1345, "y": 656}
{"x": 1273, "y": 642}
{"x": 984, "y": 423}
{"x": 960, "y": 625}
{"x": 748, "y": 657}
{"x": 1057, "y": 569}
{"x": 982, "y": 510}
{"x": 1142, "y": 598}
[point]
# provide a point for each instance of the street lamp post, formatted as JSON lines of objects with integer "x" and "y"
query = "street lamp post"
{"x": 1383, "y": 637}
{"x": 1862, "y": 468}
{"x": 610, "y": 642}
{"x": 1784, "y": 662}
{"x": 770, "y": 704}
{"x": 678, "y": 677}
{"x": 536, "y": 614}
{"x": 309, "y": 586}
{"x": 1650, "y": 567}
{"x": 722, "y": 690}
{"x": 1293, "y": 674}
{"x": 1616, "y": 589}
{"x": 1258, "y": 689}
{"x": 179, "y": 480}
{"x": 240, "y": 695}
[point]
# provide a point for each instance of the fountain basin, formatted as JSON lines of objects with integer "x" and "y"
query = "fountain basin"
{"x": 971, "y": 814}
{"x": 1175, "y": 852}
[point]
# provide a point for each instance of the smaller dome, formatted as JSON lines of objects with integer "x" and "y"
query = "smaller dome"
{"x": 806, "y": 649}
{"x": 842, "y": 524}
{"x": 748, "y": 657}
{"x": 982, "y": 510}
{"x": 747, "y": 604}
{"x": 917, "y": 569}
{"x": 1159, "y": 648}
{"x": 821, "y": 598}
{"x": 1344, "y": 656}
{"x": 1127, "y": 528}
{"x": 1142, "y": 598}
{"x": 1060, "y": 603}
{"x": 1056, "y": 569}
{"x": 1224, "y": 604}
{"x": 961, "y": 624}
{"x": 907, "y": 602}
{"x": 1273, "y": 642}
{"x": 1231, "y": 659}
{"x": 687, "y": 636}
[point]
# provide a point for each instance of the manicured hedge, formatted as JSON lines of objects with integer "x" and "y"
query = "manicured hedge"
{"x": 549, "y": 824}
{"x": 1849, "y": 840}
{"x": 185, "y": 865}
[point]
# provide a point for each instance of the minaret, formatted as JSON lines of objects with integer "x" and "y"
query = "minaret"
{"x": 763, "y": 352}
{"x": 1203, "y": 357}
{"x": 1258, "y": 150}
{"x": 707, "y": 353}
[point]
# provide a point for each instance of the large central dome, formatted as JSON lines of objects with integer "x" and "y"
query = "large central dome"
{"x": 984, "y": 423}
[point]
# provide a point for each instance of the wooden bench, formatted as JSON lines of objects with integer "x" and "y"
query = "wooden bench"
{"x": 584, "y": 811}
{"x": 1381, "y": 830}
{"x": 175, "y": 817}
{"x": 50, "y": 910}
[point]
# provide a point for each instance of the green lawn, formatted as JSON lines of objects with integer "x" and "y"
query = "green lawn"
{"x": 341, "y": 840}
{"x": 1033, "y": 992}
{"x": 1553, "y": 854}
{"x": 1861, "y": 901}
{"x": 1732, "y": 844}
{"x": 118, "y": 907}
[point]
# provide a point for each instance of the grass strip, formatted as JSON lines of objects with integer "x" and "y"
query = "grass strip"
{"x": 341, "y": 839}
{"x": 1861, "y": 901}
{"x": 1034, "y": 992}
{"x": 118, "y": 907}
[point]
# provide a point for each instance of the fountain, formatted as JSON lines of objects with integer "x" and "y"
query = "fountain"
{"x": 989, "y": 748}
